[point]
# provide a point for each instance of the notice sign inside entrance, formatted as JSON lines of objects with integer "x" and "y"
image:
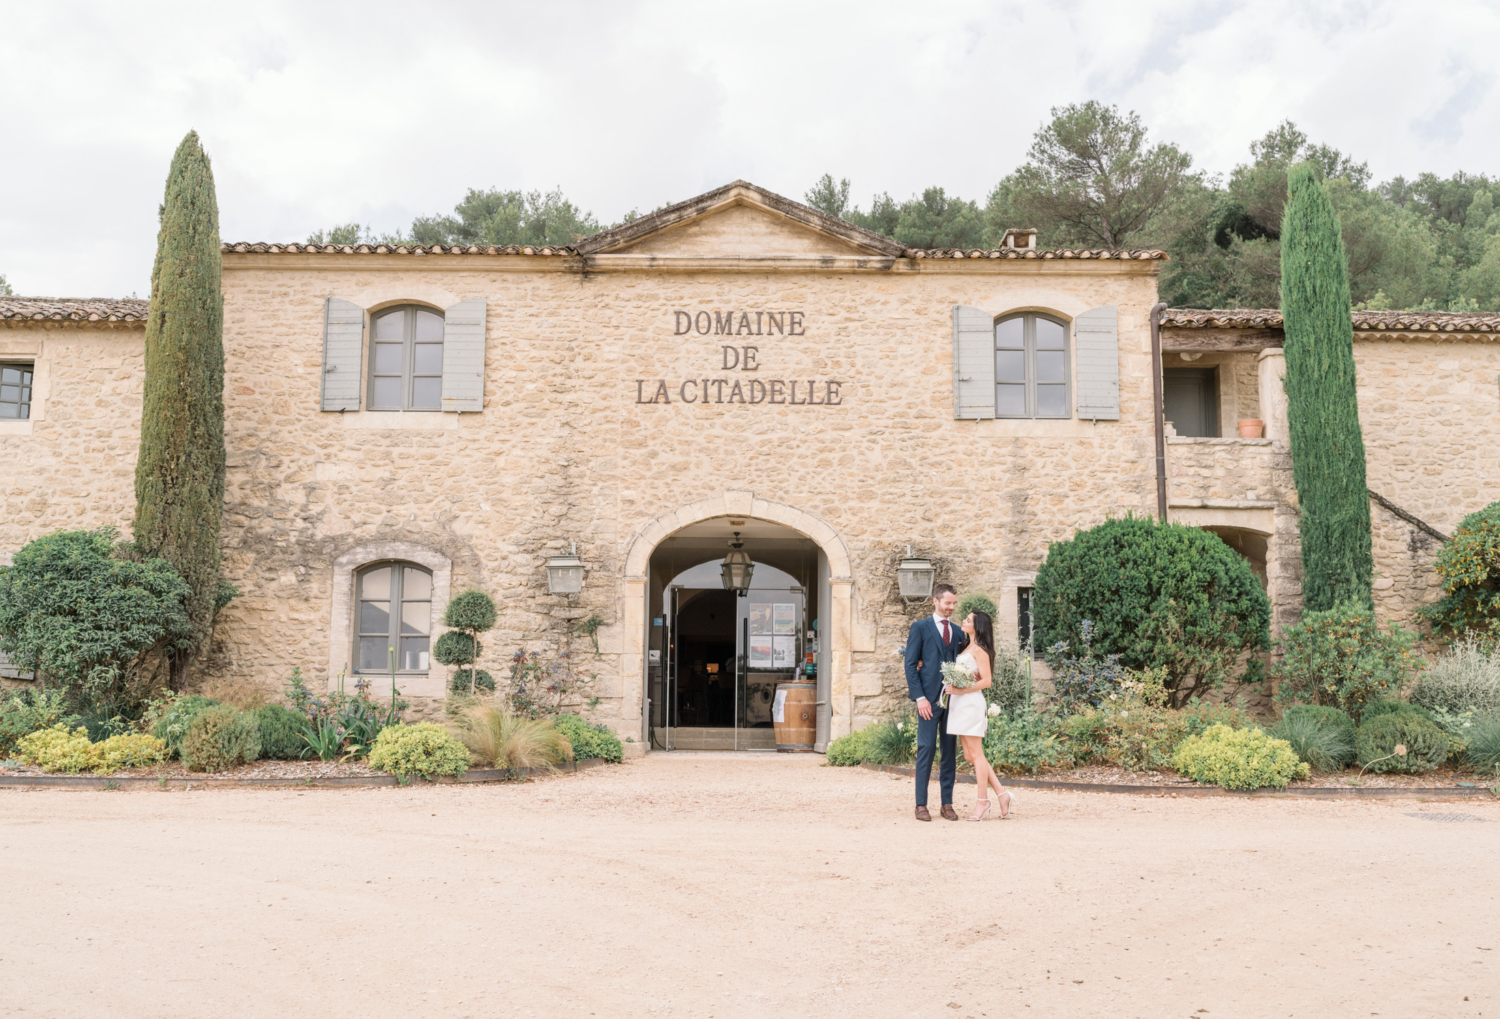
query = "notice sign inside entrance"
{"x": 739, "y": 357}
{"x": 760, "y": 651}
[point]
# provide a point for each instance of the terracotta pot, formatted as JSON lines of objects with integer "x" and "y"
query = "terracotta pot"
{"x": 1252, "y": 428}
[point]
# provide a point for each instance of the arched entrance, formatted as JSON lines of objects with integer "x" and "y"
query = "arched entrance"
{"x": 679, "y": 621}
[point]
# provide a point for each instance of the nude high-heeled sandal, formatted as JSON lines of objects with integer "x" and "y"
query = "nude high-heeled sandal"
{"x": 1010, "y": 804}
{"x": 982, "y": 813}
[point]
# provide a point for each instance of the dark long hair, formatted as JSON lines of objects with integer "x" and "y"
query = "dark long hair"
{"x": 984, "y": 634}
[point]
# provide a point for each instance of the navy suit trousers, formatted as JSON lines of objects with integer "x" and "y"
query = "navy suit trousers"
{"x": 929, "y": 732}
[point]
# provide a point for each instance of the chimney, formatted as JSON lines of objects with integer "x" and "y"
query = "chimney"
{"x": 1018, "y": 240}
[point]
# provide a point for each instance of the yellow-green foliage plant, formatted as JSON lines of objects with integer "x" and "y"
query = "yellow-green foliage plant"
{"x": 501, "y": 739}
{"x": 58, "y": 749}
{"x": 1238, "y": 759}
{"x": 219, "y": 738}
{"x": 425, "y": 749}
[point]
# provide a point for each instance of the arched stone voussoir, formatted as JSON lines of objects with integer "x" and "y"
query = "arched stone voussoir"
{"x": 652, "y": 533}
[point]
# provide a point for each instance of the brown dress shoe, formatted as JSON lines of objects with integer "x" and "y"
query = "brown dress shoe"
{"x": 949, "y": 813}
{"x": 922, "y": 814}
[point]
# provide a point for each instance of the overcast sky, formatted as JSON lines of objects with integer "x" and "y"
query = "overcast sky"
{"x": 321, "y": 113}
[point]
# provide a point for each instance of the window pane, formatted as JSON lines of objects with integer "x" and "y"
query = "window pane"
{"x": 1050, "y": 366}
{"x": 9, "y": 410}
{"x": 10, "y": 394}
{"x": 414, "y": 653}
{"x": 1010, "y": 366}
{"x": 1050, "y": 335}
{"x": 429, "y": 327}
{"x": 1051, "y": 401}
{"x": 426, "y": 394}
{"x": 374, "y": 617}
{"x": 388, "y": 358}
{"x": 388, "y": 327}
{"x": 374, "y": 653}
{"x": 429, "y": 359}
{"x": 1010, "y": 333}
{"x": 10, "y": 376}
{"x": 416, "y": 616}
{"x": 1010, "y": 401}
{"x": 387, "y": 394}
{"x": 416, "y": 585}
{"x": 376, "y": 584}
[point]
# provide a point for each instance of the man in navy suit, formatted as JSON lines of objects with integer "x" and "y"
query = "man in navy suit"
{"x": 933, "y": 640}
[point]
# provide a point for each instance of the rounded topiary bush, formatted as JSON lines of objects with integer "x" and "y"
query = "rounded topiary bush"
{"x": 280, "y": 733}
{"x": 1401, "y": 741}
{"x": 976, "y": 601}
{"x": 456, "y": 648}
{"x": 425, "y": 749}
{"x": 590, "y": 740}
{"x": 173, "y": 726}
{"x": 1159, "y": 595}
{"x": 1238, "y": 759}
{"x": 471, "y": 610}
{"x": 220, "y": 738}
{"x": 481, "y": 682}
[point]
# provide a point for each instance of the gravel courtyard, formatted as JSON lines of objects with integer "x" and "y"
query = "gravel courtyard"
{"x": 740, "y": 885}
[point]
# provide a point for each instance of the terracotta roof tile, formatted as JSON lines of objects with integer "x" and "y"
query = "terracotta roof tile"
{"x": 1365, "y": 321}
{"x": 73, "y": 309}
{"x": 262, "y": 248}
{"x": 1147, "y": 254}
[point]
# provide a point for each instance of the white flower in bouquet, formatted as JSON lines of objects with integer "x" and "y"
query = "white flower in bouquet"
{"x": 960, "y": 677}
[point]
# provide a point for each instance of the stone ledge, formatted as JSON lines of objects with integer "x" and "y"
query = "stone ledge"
{"x": 1221, "y": 504}
{"x": 1187, "y": 440}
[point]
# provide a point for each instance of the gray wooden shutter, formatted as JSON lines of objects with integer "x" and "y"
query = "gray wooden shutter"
{"x": 343, "y": 353}
{"x": 463, "y": 357}
{"x": 973, "y": 363}
{"x": 9, "y": 671}
{"x": 1096, "y": 340}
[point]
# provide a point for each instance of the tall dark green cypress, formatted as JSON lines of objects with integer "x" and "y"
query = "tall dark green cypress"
{"x": 179, "y": 477}
{"x": 1328, "y": 450}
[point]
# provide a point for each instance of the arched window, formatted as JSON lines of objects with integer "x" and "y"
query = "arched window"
{"x": 1031, "y": 367}
{"x": 406, "y": 359}
{"x": 393, "y": 604}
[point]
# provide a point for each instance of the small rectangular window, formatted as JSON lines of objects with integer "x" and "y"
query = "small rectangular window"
{"x": 1190, "y": 400}
{"x": 1031, "y": 368}
{"x": 1023, "y": 617}
{"x": 406, "y": 363}
{"x": 15, "y": 390}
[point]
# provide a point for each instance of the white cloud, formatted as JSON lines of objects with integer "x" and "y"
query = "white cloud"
{"x": 322, "y": 113}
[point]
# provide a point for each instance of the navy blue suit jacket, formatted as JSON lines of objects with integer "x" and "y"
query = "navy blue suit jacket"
{"x": 924, "y": 644}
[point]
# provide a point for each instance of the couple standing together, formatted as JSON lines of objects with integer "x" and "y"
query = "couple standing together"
{"x": 949, "y": 713}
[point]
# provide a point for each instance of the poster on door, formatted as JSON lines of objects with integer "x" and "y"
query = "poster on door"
{"x": 785, "y": 618}
{"x": 760, "y": 619}
{"x": 762, "y": 651}
{"x": 784, "y": 652}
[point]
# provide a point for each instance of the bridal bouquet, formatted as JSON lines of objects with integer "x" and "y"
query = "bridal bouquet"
{"x": 960, "y": 677}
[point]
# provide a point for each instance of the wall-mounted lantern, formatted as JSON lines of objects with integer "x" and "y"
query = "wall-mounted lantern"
{"x": 915, "y": 577}
{"x": 737, "y": 568}
{"x": 565, "y": 572}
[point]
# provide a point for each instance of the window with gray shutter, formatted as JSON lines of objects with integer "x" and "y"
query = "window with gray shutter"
{"x": 463, "y": 357}
{"x": 343, "y": 349}
{"x": 9, "y": 671}
{"x": 1096, "y": 338}
{"x": 1031, "y": 367}
{"x": 973, "y": 363}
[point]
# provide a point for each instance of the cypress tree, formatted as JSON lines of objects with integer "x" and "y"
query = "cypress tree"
{"x": 179, "y": 477}
{"x": 1328, "y": 450}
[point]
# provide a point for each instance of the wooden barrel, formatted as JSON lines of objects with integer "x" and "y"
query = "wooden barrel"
{"x": 796, "y": 720}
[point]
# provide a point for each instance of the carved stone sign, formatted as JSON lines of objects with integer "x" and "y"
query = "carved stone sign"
{"x": 740, "y": 358}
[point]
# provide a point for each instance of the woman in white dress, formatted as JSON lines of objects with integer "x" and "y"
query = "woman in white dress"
{"x": 968, "y": 717}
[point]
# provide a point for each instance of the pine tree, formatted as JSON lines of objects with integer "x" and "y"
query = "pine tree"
{"x": 179, "y": 477}
{"x": 1328, "y": 450}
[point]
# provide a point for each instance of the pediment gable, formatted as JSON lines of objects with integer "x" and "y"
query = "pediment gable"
{"x": 740, "y": 220}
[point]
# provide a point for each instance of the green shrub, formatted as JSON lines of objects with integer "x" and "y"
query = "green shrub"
{"x": 1392, "y": 706}
{"x": 1010, "y": 679}
{"x": 976, "y": 601}
{"x": 1198, "y": 717}
{"x": 57, "y": 749}
{"x": 893, "y": 742}
{"x": 1325, "y": 747}
{"x": 847, "y": 751}
{"x": 1340, "y": 657}
{"x": 469, "y": 613}
{"x": 220, "y": 738}
{"x": 1465, "y": 678}
{"x": 127, "y": 750}
{"x": 1157, "y": 595}
{"x": 1026, "y": 741}
{"x": 462, "y": 685}
{"x": 76, "y": 608}
{"x": 1084, "y": 678}
{"x": 1144, "y": 738}
{"x": 27, "y": 711}
{"x": 1482, "y": 744}
{"x": 102, "y": 723}
{"x": 1423, "y": 745}
{"x": 1087, "y": 734}
{"x": 1324, "y": 715}
{"x": 174, "y": 723}
{"x": 1238, "y": 759}
{"x": 590, "y": 740}
{"x": 424, "y": 749}
{"x": 1469, "y": 564}
{"x": 280, "y": 733}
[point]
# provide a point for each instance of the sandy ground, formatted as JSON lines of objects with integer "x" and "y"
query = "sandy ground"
{"x": 740, "y": 885}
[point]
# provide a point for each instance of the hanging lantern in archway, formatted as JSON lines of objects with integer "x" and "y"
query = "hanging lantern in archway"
{"x": 737, "y": 567}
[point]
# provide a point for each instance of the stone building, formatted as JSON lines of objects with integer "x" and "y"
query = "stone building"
{"x": 406, "y": 422}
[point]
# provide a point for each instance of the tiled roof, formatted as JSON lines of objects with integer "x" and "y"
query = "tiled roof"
{"x": 262, "y": 248}
{"x": 73, "y": 309}
{"x": 1365, "y": 321}
{"x": 1145, "y": 254}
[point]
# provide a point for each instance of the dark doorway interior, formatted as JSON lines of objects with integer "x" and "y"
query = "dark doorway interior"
{"x": 1190, "y": 399}
{"x": 706, "y": 659}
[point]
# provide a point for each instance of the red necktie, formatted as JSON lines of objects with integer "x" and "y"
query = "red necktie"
{"x": 946, "y": 638}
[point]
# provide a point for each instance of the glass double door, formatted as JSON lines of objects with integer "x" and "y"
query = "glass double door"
{"x": 725, "y": 654}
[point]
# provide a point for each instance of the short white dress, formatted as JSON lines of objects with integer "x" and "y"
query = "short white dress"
{"x": 967, "y": 712}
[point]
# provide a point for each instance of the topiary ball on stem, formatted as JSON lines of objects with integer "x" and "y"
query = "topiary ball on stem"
{"x": 456, "y": 648}
{"x": 471, "y": 610}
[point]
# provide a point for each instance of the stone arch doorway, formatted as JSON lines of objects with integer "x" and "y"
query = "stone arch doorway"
{"x": 696, "y": 528}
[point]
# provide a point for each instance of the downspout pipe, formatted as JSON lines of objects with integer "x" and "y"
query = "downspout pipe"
{"x": 1159, "y": 415}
